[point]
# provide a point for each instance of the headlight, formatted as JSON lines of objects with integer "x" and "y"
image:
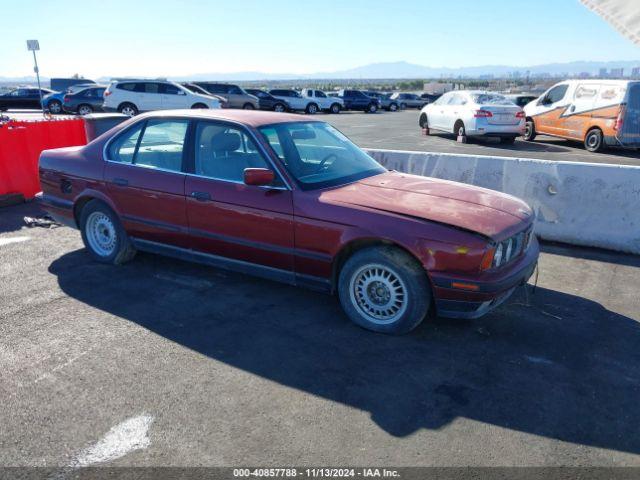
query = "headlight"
{"x": 497, "y": 257}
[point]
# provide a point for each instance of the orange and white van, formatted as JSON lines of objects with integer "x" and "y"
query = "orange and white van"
{"x": 599, "y": 113}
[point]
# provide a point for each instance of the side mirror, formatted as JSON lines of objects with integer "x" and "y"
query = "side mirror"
{"x": 258, "y": 176}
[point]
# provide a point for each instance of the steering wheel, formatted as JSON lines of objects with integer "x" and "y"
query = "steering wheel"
{"x": 324, "y": 160}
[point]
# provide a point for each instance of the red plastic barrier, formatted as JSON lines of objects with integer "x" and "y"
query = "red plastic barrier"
{"x": 21, "y": 143}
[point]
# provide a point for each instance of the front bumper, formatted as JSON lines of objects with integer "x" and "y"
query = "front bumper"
{"x": 491, "y": 292}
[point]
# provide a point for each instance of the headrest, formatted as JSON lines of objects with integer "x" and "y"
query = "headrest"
{"x": 226, "y": 142}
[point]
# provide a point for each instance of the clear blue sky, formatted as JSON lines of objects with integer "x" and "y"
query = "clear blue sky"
{"x": 182, "y": 37}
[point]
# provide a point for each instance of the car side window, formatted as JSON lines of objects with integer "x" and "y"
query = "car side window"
{"x": 556, "y": 94}
{"x": 235, "y": 90}
{"x": 162, "y": 144}
{"x": 223, "y": 152}
{"x": 123, "y": 148}
{"x": 320, "y": 94}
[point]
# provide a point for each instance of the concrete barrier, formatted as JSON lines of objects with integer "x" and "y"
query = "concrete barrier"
{"x": 595, "y": 205}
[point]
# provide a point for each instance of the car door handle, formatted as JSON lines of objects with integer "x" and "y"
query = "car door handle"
{"x": 121, "y": 182}
{"x": 201, "y": 196}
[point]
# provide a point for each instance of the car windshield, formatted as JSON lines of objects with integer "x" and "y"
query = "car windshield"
{"x": 319, "y": 156}
{"x": 490, "y": 99}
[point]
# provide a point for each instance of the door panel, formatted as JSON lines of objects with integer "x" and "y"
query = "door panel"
{"x": 228, "y": 218}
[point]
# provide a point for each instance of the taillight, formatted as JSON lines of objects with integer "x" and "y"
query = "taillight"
{"x": 483, "y": 114}
{"x": 66, "y": 99}
{"x": 620, "y": 119}
{"x": 107, "y": 93}
{"x": 520, "y": 114}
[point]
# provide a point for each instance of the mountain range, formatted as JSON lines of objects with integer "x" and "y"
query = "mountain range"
{"x": 398, "y": 70}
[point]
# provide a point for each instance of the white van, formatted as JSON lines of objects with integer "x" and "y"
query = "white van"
{"x": 133, "y": 96}
{"x": 599, "y": 113}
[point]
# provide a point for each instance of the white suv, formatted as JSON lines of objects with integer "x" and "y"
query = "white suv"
{"x": 133, "y": 96}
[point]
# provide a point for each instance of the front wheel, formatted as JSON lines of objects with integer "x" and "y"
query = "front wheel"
{"x": 594, "y": 141}
{"x": 335, "y": 108}
{"x": 85, "y": 109}
{"x": 279, "y": 107}
{"x": 393, "y": 107}
{"x": 372, "y": 108}
{"x": 55, "y": 106}
{"x": 423, "y": 122}
{"x": 103, "y": 235}
{"x": 198, "y": 105}
{"x": 384, "y": 289}
{"x": 128, "y": 109}
{"x": 248, "y": 106}
{"x": 312, "y": 109}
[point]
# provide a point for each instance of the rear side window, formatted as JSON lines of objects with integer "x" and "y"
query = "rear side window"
{"x": 169, "y": 89}
{"x": 158, "y": 144}
{"x": 126, "y": 86}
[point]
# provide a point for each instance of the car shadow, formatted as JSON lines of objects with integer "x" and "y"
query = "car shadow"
{"x": 549, "y": 364}
{"x": 13, "y": 217}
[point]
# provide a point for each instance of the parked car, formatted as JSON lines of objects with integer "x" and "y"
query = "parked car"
{"x": 521, "y": 99}
{"x": 62, "y": 84}
{"x": 599, "y": 113}
{"x": 22, "y": 97}
{"x": 385, "y": 100}
{"x": 409, "y": 100}
{"x": 430, "y": 97}
{"x": 192, "y": 87}
{"x": 266, "y": 101}
{"x": 292, "y": 200}
{"x": 235, "y": 96}
{"x": 358, "y": 100}
{"x": 131, "y": 97}
{"x": 85, "y": 101}
{"x": 53, "y": 101}
{"x": 322, "y": 101}
{"x": 474, "y": 113}
{"x": 295, "y": 100}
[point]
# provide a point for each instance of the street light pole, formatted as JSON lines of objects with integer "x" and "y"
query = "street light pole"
{"x": 33, "y": 45}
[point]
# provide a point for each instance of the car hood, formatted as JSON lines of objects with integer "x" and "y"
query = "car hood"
{"x": 487, "y": 212}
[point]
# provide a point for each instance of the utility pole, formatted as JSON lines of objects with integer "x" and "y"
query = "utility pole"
{"x": 32, "y": 46}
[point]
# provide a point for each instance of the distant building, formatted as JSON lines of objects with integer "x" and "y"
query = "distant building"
{"x": 437, "y": 88}
{"x": 617, "y": 72}
{"x": 603, "y": 73}
{"x": 635, "y": 72}
{"x": 584, "y": 75}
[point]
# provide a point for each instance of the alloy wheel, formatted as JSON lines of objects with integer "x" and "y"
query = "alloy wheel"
{"x": 379, "y": 293}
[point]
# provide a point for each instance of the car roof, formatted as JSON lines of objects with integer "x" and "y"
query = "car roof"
{"x": 252, "y": 118}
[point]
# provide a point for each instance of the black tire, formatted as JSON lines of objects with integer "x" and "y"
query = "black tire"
{"x": 507, "y": 140}
{"x": 459, "y": 130}
{"x": 123, "y": 250}
{"x": 248, "y": 106}
{"x": 198, "y": 105}
{"x": 529, "y": 130}
{"x": 54, "y": 106}
{"x": 412, "y": 280}
{"x": 371, "y": 108}
{"x": 424, "y": 121}
{"x": 279, "y": 107}
{"x": 594, "y": 141}
{"x": 127, "y": 108}
{"x": 393, "y": 107}
{"x": 84, "y": 109}
{"x": 335, "y": 108}
{"x": 311, "y": 109}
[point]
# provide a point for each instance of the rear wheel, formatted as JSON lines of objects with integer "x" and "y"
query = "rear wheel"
{"x": 279, "y": 107}
{"x": 55, "y": 106}
{"x": 393, "y": 107}
{"x": 199, "y": 105}
{"x": 459, "y": 129}
{"x": 372, "y": 108}
{"x": 335, "y": 108}
{"x": 248, "y": 106}
{"x": 529, "y": 131}
{"x": 103, "y": 235}
{"x": 85, "y": 109}
{"x": 594, "y": 141}
{"x": 384, "y": 289}
{"x": 128, "y": 109}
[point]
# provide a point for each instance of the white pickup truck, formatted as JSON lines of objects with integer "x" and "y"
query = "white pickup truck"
{"x": 310, "y": 101}
{"x": 324, "y": 102}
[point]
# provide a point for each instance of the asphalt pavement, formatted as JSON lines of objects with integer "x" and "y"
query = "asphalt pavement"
{"x": 161, "y": 362}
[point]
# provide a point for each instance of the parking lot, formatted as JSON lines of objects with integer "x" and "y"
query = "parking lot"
{"x": 169, "y": 363}
{"x": 400, "y": 131}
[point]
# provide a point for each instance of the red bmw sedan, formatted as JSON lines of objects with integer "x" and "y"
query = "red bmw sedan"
{"x": 292, "y": 199}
